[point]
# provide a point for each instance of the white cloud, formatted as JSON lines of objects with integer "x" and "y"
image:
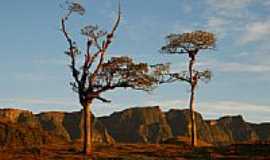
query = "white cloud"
{"x": 266, "y": 3}
{"x": 226, "y": 18}
{"x": 32, "y": 76}
{"x": 186, "y": 6}
{"x": 251, "y": 112}
{"x": 37, "y": 101}
{"x": 217, "y": 25}
{"x": 257, "y": 31}
{"x": 214, "y": 22}
{"x": 216, "y": 109}
{"x": 103, "y": 109}
{"x": 51, "y": 61}
{"x": 236, "y": 67}
{"x": 38, "y": 105}
{"x": 182, "y": 27}
{"x": 167, "y": 104}
{"x": 230, "y": 4}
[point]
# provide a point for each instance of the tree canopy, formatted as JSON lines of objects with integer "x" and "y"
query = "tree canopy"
{"x": 188, "y": 42}
{"x": 96, "y": 74}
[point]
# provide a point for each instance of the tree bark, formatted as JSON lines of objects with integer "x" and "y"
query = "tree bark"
{"x": 87, "y": 129}
{"x": 193, "y": 83}
{"x": 192, "y": 118}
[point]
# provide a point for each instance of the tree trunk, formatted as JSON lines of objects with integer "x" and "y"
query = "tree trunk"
{"x": 192, "y": 118}
{"x": 87, "y": 129}
{"x": 193, "y": 83}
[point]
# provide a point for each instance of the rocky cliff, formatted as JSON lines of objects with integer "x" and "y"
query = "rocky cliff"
{"x": 68, "y": 126}
{"x": 138, "y": 125}
{"x": 134, "y": 125}
{"x": 20, "y": 127}
{"x": 237, "y": 129}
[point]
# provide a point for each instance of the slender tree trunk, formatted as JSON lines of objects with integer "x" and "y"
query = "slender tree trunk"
{"x": 192, "y": 118}
{"x": 87, "y": 129}
{"x": 193, "y": 82}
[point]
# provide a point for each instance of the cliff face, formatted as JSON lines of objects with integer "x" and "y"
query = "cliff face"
{"x": 207, "y": 131}
{"x": 179, "y": 121}
{"x": 68, "y": 126}
{"x": 138, "y": 125}
{"x": 134, "y": 125}
{"x": 17, "y": 135}
{"x": 262, "y": 130}
{"x": 53, "y": 123}
{"x": 237, "y": 129}
{"x": 20, "y": 127}
{"x": 23, "y": 117}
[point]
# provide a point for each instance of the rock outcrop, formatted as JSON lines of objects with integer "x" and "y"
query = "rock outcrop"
{"x": 237, "y": 129}
{"x": 68, "y": 126}
{"x": 179, "y": 121}
{"x": 21, "y": 127}
{"x": 53, "y": 123}
{"x": 138, "y": 125}
{"x": 134, "y": 125}
{"x": 262, "y": 130}
{"x": 224, "y": 131}
{"x": 22, "y": 117}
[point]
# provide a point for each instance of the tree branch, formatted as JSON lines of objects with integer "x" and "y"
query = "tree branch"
{"x": 103, "y": 99}
{"x": 106, "y": 44}
{"x": 87, "y": 60}
{"x": 75, "y": 72}
{"x": 174, "y": 77}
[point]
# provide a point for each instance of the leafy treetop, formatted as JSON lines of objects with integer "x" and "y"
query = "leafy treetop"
{"x": 189, "y": 42}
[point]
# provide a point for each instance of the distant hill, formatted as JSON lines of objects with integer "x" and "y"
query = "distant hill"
{"x": 134, "y": 125}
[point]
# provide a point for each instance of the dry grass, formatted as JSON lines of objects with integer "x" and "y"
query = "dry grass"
{"x": 135, "y": 152}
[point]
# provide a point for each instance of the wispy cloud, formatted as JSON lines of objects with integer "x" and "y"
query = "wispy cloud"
{"x": 27, "y": 76}
{"x": 251, "y": 112}
{"x": 37, "y": 101}
{"x": 236, "y": 67}
{"x": 256, "y": 31}
{"x": 51, "y": 61}
{"x": 266, "y": 3}
{"x": 216, "y": 109}
{"x": 230, "y": 4}
{"x": 234, "y": 15}
{"x": 215, "y": 22}
{"x": 38, "y": 105}
{"x": 238, "y": 19}
{"x": 218, "y": 25}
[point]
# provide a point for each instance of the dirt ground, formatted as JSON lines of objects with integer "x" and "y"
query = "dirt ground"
{"x": 137, "y": 152}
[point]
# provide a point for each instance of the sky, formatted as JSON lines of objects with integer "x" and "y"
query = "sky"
{"x": 35, "y": 74}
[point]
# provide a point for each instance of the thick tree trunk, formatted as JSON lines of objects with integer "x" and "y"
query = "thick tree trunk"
{"x": 193, "y": 83}
{"x": 87, "y": 129}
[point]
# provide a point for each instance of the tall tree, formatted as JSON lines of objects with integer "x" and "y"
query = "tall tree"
{"x": 97, "y": 75}
{"x": 189, "y": 44}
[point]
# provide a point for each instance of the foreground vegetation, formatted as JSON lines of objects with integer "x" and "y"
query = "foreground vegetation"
{"x": 138, "y": 151}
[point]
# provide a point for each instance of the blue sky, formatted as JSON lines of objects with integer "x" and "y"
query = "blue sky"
{"x": 35, "y": 74}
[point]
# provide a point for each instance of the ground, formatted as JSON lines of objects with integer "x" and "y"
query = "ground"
{"x": 137, "y": 152}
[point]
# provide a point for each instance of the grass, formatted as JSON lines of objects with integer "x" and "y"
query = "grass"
{"x": 136, "y": 152}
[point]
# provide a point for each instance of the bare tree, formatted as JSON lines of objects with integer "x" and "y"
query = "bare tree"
{"x": 97, "y": 75}
{"x": 190, "y": 44}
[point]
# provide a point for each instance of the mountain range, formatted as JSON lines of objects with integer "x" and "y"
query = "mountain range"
{"x": 133, "y": 125}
